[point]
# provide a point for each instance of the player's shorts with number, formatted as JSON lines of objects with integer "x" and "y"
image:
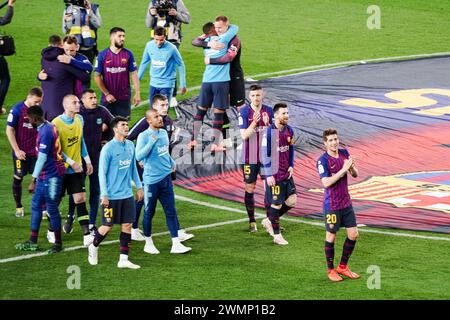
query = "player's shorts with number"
{"x": 335, "y": 219}
{"x": 251, "y": 171}
{"x": 24, "y": 167}
{"x": 278, "y": 193}
{"x": 119, "y": 212}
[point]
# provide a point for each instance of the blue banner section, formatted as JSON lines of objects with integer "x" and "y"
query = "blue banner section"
{"x": 393, "y": 117}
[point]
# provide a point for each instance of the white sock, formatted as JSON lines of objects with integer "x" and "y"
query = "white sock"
{"x": 123, "y": 257}
{"x": 176, "y": 241}
{"x": 149, "y": 240}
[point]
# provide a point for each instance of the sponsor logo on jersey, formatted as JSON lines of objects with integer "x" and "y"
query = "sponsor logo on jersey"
{"x": 123, "y": 163}
{"x": 27, "y": 125}
{"x": 163, "y": 150}
{"x": 116, "y": 69}
{"x": 158, "y": 64}
{"x": 283, "y": 149}
{"x": 72, "y": 141}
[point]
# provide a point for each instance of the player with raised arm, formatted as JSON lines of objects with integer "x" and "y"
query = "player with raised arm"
{"x": 253, "y": 121}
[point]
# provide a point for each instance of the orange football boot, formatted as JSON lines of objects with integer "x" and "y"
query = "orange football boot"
{"x": 345, "y": 271}
{"x": 333, "y": 276}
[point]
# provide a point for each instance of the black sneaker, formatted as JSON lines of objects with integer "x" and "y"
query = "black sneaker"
{"x": 57, "y": 247}
{"x": 68, "y": 225}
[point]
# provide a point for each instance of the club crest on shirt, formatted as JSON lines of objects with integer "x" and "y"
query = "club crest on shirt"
{"x": 428, "y": 190}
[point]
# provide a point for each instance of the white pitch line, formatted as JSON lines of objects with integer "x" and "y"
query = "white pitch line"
{"x": 312, "y": 223}
{"x": 219, "y": 224}
{"x": 397, "y": 234}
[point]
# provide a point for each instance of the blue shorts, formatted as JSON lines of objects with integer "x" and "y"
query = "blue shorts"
{"x": 278, "y": 193}
{"x": 335, "y": 219}
{"x": 251, "y": 171}
{"x": 214, "y": 93}
{"x": 24, "y": 167}
{"x": 168, "y": 92}
{"x": 119, "y": 212}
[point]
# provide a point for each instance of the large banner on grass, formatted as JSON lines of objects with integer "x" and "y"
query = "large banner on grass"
{"x": 393, "y": 117}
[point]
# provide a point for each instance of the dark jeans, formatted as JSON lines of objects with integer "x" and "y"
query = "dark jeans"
{"x": 175, "y": 89}
{"x": 5, "y": 79}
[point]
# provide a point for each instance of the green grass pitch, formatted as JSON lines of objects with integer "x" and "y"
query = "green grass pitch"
{"x": 227, "y": 262}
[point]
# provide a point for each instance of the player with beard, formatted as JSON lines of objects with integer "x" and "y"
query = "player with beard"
{"x": 112, "y": 72}
{"x": 278, "y": 162}
{"x": 160, "y": 103}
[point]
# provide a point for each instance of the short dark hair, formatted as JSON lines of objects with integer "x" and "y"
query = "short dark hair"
{"x": 207, "y": 27}
{"x": 222, "y": 18}
{"x": 159, "y": 31}
{"x": 115, "y": 121}
{"x": 328, "y": 132}
{"x": 158, "y": 97}
{"x": 115, "y": 29}
{"x": 70, "y": 39}
{"x": 255, "y": 87}
{"x": 54, "y": 40}
{"x": 89, "y": 90}
{"x": 35, "y": 112}
{"x": 36, "y": 92}
{"x": 279, "y": 106}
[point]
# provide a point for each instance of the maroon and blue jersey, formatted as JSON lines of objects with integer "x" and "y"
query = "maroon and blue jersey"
{"x": 278, "y": 152}
{"x": 251, "y": 146}
{"x": 25, "y": 133}
{"x": 48, "y": 143}
{"x": 115, "y": 69}
{"x": 336, "y": 197}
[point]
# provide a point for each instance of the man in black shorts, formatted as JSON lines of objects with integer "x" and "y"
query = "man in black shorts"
{"x": 117, "y": 169}
{"x": 253, "y": 120}
{"x": 333, "y": 167}
{"x": 70, "y": 127}
{"x": 22, "y": 138}
{"x": 279, "y": 170}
